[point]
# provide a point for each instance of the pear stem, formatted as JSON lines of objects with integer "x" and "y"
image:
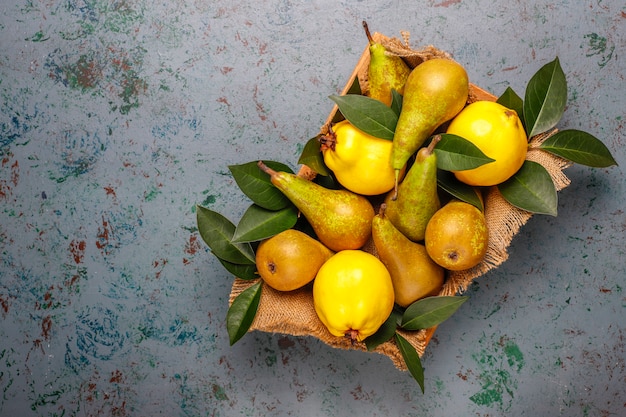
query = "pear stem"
{"x": 266, "y": 169}
{"x": 394, "y": 197}
{"x": 431, "y": 146}
{"x": 381, "y": 210}
{"x": 367, "y": 32}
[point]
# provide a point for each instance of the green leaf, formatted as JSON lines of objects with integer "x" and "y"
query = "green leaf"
{"x": 367, "y": 114}
{"x": 257, "y": 186}
{"x": 448, "y": 182}
{"x": 579, "y": 147}
{"x": 385, "y": 332}
{"x": 455, "y": 153}
{"x": 242, "y": 311}
{"x": 511, "y": 100}
{"x": 411, "y": 359}
{"x": 396, "y": 102}
{"x": 545, "y": 98}
{"x": 531, "y": 189}
{"x": 430, "y": 311}
{"x": 312, "y": 157}
{"x": 217, "y": 232}
{"x": 247, "y": 272}
{"x": 258, "y": 223}
{"x": 355, "y": 87}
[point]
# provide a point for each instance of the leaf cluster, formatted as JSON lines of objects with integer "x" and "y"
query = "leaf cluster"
{"x": 422, "y": 314}
{"x": 234, "y": 245}
{"x": 542, "y": 107}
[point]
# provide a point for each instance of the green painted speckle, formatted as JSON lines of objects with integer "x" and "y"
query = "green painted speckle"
{"x": 210, "y": 199}
{"x": 38, "y": 37}
{"x": 132, "y": 86}
{"x": 487, "y": 397}
{"x": 498, "y": 362}
{"x": 514, "y": 355}
{"x": 439, "y": 386}
{"x": 270, "y": 359}
{"x": 219, "y": 393}
{"x": 599, "y": 46}
{"x": 152, "y": 194}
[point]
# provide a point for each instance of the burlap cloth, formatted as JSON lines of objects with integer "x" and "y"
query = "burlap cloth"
{"x": 292, "y": 313}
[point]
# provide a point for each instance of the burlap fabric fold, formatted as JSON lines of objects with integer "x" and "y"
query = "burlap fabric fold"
{"x": 293, "y": 313}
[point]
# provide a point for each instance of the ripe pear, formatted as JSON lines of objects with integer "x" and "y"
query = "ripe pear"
{"x": 413, "y": 274}
{"x": 386, "y": 72}
{"x": 290, "y": 259}
{"x": 457, "y": 236}
{"x": 416, "y": 200}
{"x": 340, "y": 218}
{"x": 434, "y": 93}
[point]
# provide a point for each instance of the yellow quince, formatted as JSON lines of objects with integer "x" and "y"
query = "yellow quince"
{"x": 353, "y": 294}
{"x": 360, "y": 162}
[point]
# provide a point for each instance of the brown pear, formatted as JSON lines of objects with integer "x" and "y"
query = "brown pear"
{"x": 290, "y": 259}
{"x": 340, "y": 218}
{"x": 457, "y": 236}
{"x": 413, "y": 273}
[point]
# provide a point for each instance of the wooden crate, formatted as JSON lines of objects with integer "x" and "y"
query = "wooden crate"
{"x": 292, "y": 313}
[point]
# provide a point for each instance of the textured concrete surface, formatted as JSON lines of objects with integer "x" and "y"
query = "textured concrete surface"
{"x": 117, "y": 117}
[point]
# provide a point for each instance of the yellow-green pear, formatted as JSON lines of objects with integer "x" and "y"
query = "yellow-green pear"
{"x": 340, "y": 218}
{"x": 417, "y": 198}
{"x": 386, "y": 71}
{"x": 413, "y": 274}
{"x": 434, "y": 93}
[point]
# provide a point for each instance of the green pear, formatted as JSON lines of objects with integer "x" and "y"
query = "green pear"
{"x": 290, "y": 259}
{"x": 416, "y": 199}
{"x": 340, "y": 218}
{"x": 413, "y": 274}
{"x": 386, "y": 72}
{"x": 434, "y": 93}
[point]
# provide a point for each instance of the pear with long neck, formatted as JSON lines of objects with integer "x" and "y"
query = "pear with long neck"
{"x": 413, "y": 274}
{"x": 434, "y": 93}
{"x": 341, "y": 219}
{"x": 386, "y": 71}
{"x": 417, "y": 198}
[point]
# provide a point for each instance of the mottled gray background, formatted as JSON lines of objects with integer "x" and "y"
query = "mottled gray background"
{"x": 118, "y": 117}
